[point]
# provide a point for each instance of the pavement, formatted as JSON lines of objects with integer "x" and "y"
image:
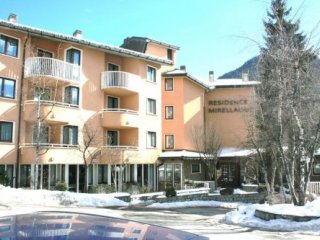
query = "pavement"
{"x": 205, "y": 221}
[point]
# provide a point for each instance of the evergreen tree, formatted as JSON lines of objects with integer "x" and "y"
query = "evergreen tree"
{"x": 286, "y": 130}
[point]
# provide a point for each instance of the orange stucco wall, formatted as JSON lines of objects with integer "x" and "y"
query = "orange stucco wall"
{"x": 91, "y": 102}
{"x": 228, "y": 110}
{"x": 187, "y": 98}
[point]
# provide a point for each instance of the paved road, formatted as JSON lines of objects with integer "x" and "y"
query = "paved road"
{"x": 204, "y": 221}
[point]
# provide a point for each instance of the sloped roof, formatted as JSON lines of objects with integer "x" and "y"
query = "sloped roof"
{"x": 139, "y": 44}
{"x": 182, "y": 73}
{"x": 88, "y": 43}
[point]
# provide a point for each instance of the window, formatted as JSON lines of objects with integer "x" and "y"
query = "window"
{"x": 151, "y": 140}
{"x": 73, "y": 56}
{"x": 71, "y": 95}
{"x": 43, "y": 53}
{"x": 168, "y": 83}
{"x": 9, "y": 46}
{"x": 151, "y": 74}
{"x": 7, "y": 88}
{"x": 43, "y": 136}
{"x": 113, "y": 102}
{"x": 169, "y": 112}
{"x": 102, "y": 174}
{"x": 169, "y": 53}
{"x": 316, "y": 169}
{"x": 113, "y": 67}
{"x": 6, "y": 130}
{"x": 43, "y": 93}
{"x": 169, "y": 141}
{"x": 112, "y": 138}
{"x": 70, "y": 135}
{"x": 196, "y": 168}
{"x": 151, "y": 106}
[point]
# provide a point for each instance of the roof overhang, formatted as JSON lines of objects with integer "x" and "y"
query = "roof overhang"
{"x": 92, "y": 44}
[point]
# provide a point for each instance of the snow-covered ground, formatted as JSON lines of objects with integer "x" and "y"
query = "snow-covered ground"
{"x": 243, "y": 215}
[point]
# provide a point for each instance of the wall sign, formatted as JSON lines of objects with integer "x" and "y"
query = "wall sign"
{"x": 228, "y": 106}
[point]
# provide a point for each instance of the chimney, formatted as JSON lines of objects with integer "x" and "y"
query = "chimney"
{"x": 211, "y": 76}
{"x": 77, "y": 34}
{"x": 183, "y": 68}
{"x": 12, "y": 18}
{"x": 245, "y": 76}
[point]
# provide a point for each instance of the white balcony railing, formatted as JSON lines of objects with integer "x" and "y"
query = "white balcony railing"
{"x": 117, "y": 79}
{"x": 314, "y": 187}
{"x": 50, "y": 67}
{"x": 120, "y": 110}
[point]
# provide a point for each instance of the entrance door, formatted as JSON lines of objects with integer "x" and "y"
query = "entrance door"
{"x": 229, "y": 174}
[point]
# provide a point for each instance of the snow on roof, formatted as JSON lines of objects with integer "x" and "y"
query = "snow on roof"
{"x": 225, "y": 152}
{"x": 93, "y": 44}
{"x": 235, "y": 152}
{"x": 232, "y": 82}
{"x": 181, "y": 72}
{"x": 179, "y": 154}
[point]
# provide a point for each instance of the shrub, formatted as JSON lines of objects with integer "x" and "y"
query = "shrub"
{"x": 262, "y": 189}
{"x": 171, "y": 192}
{"x": 101, "y": 188}
{"x": 226, "y": 191}
{"x": 61, "y": 186}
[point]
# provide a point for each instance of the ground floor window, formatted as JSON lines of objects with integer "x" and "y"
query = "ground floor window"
{"x": 102, "y": 174}
{"x": 196, "y": 168}
{"x": 25, "y": 175}
{"x": 169, "y": 175}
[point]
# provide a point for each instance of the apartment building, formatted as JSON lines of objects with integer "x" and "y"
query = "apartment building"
{"x": 193, "y": 109}
{"x": 66, "y": 100}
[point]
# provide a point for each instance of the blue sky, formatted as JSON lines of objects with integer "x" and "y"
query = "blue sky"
{"x": 217, "y": 35}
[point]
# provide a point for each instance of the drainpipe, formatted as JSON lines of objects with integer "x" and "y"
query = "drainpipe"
{"x": 18, "y": 156}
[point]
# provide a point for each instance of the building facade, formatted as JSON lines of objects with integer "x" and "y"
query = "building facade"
{"x": 59, "y": 91}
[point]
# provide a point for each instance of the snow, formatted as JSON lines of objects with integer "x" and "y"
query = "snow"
{"x": 11, "y": 196}
{"x": 235, "y": 152}
{"x": 243, "y": 214}
{"x": 233, "y": 82}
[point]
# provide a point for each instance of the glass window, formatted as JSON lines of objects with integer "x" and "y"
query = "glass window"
{"x": 43, "y": 93}
{"x": 103, "y": 174}
{"x": 113, "y": 67}
{"x": 151, "y": 106}
{"x": 70, "y": 135}
{"x": 6, "y": 131}
{"x": 169, "y": 141}
{"x": 169, "y": 53}
{"x": 168, "y": 82}
{"x": 43, "y": 136}
{"x": 25, "y": 175}
{"x": 53, "y": 174}
{"x": 113, "y": 102}
{"x": 43, "y": 53}
{"x": 169, "y": 112}
{"x": 316, "y": 169}
{"x": 7, "y": 88}
{"x": 112, "y": 138}
{"x": 151, "y": 74}
{"x": 73, "y": 56}
{"x": 71, "y": 95}
{"x": 196, "y": 168}
{"x": 8, "y": 46}
{"x": 151, "y": 140}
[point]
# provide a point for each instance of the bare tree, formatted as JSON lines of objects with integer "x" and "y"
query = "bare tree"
{"x": 208, "y": 143}
{"x": 90, "y": 148}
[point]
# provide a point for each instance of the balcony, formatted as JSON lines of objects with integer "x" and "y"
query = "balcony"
{"x": 120, "y": 83}
{"x": 119, "y": 154}
{"x": 53, "y": 112}
{"x": 51, "y": 153}
{"x": 52, "y": 68}
{"x": 120, "y": 118}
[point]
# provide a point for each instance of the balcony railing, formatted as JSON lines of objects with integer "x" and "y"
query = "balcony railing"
{"x": 117, "y": 79}
{"x": 54, "y": 68}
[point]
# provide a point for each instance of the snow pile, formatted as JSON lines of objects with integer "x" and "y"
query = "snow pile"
{"x": 244, "y": 216}
{"x": 195, "y": 204}
{"x": 57, "y": 198}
